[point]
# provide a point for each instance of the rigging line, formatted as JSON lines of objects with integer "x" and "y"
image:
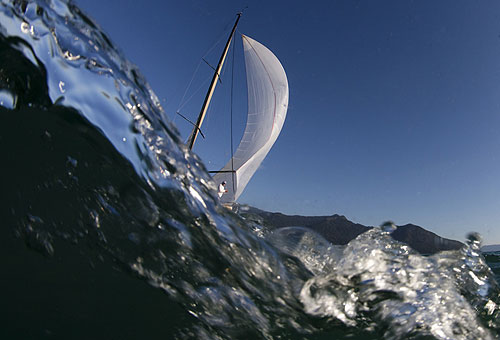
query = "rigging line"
{"x": 222, "y": 36}
{"x": 181, "y": 102}
{"x": 194, "y": 93}
{"x": 213, "y": 68}
{"x": 211, "y": 107}
{"x": 199, "y": 130}
{"x": 202, "y": 85}
{"x": 232, "y": 87}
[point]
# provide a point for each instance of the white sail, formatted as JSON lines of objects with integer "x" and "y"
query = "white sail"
{"x": 267, "y": 105}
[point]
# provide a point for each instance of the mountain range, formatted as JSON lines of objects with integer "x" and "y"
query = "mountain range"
{"x": 337, "y": 229}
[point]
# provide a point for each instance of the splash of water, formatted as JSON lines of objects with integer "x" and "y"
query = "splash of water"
{"x": 115, "y": 181}
{"x": 383, "y": 285}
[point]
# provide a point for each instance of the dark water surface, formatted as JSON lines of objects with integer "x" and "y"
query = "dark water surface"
{"x": 112, "y": 229}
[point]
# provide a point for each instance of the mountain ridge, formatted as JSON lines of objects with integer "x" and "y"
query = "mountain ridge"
{"x": 337, "y": 229}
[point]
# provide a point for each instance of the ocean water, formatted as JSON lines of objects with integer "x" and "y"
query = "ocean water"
{"x": 112, "y": 229}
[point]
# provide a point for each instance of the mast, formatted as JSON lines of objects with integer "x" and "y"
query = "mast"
{"x": 196, "y": 128}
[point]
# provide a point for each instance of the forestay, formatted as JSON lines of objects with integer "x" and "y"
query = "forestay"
{"x": 267, "y": 105}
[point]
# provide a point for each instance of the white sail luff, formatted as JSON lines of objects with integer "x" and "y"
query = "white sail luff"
{"x": 267, "y": 106}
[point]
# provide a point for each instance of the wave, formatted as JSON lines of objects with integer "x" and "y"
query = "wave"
{"x": 110, "y": 219}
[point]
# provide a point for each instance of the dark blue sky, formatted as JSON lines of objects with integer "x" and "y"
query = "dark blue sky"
{"x": 394, "y": 107}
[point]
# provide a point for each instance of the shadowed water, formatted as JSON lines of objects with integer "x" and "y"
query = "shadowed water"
{"x": 112, "y": 229}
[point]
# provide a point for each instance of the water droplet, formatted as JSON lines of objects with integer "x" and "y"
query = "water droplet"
{"x": 46, "y": 135}
{"x": 34, "y": 219}
{"x": 7, "y": 100}
{"x": 474, "y": 240}
{"x": 36, "y": 237}
{"x": 95, "y": 218}
{"x": 69, "y": 56}
{"x": 388, "y": 227}
{"x": 71, "y": 161}
{"x": 25, "y": 27}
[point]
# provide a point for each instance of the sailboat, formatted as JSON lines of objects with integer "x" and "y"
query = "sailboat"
{"x": 267, "y": 87}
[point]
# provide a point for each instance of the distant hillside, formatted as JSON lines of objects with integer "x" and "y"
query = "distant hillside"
{"x": 424, "y": 241}
{"x": 339, "y": 230}
{"x": 490, "y": 248}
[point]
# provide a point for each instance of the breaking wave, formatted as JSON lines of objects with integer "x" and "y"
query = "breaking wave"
{"x": 109, "y": 219}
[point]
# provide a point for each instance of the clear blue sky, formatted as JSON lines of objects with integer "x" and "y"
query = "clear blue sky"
{"x": 394, "y": 109}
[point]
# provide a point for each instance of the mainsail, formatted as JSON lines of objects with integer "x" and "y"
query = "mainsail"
{"x": 267, "y": 105}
